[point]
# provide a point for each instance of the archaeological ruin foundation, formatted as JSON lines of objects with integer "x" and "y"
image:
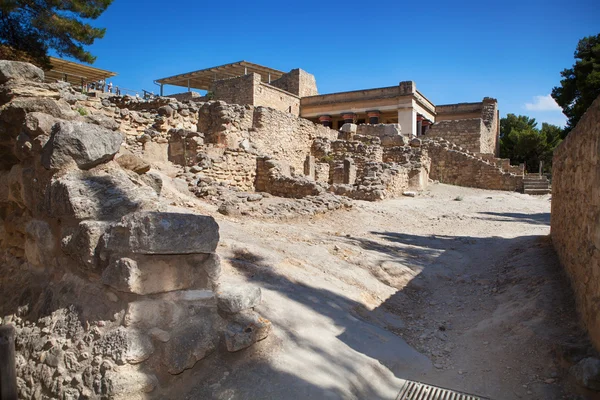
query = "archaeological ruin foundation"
{"x": 114, "y": 281}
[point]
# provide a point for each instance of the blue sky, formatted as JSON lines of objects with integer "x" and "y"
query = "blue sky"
{"x": 454, "y": 51}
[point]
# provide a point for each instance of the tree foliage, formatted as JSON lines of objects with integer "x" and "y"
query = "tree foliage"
{"x": 523, "y": 142}
{"x": 36, "y": 26}
{"x": 580, "y": 85}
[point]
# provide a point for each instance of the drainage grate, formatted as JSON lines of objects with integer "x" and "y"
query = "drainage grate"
{"x": 421, "y": 391}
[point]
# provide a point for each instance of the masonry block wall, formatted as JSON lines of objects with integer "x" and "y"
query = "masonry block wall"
{"x": 298, "y": 82}
{"x": 473, "y": 126}
{"x": 249, "y": 89}
{"x": 453, "y": 166}
{"x": 575, "y": 226}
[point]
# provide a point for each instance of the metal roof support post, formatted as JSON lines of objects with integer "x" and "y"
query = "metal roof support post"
{"x": 188, "y": 85}
{"x": 269, "y": 77}
{"x": 161, "y": 89}
{"x": 245, "y": 70}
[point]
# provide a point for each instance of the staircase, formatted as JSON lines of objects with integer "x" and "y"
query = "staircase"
{"x": 535, "y": 184}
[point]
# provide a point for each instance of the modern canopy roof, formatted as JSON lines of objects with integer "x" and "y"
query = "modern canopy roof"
{"x": 203, "y": 78}
{"x": 75, "y": 72}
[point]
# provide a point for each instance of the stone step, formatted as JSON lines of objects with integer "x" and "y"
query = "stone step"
{"x": 535, "y": 192}
{"x": 536, "y": 185}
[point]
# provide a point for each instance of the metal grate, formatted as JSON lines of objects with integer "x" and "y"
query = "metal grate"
{"x": 421, "y": 391}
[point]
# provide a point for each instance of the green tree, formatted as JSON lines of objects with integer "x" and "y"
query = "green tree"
{"x": 580, "y": 85}
{"x": 36, "y": 26}
{"x": 522, "y": 142}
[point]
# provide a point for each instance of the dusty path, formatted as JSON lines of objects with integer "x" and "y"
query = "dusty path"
{"x": 457, "y": 287}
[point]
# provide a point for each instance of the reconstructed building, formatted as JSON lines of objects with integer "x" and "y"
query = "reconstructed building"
{"x": 473, "y": 126}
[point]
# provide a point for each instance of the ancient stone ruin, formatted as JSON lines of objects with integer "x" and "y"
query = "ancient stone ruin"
{"x": 113, "y": 289}
{"x": 116, "y": 283}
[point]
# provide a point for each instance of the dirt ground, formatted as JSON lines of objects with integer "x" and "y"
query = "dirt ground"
{"x": 456, "y": 287}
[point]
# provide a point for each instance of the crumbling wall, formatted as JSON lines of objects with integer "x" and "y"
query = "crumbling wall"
{"x": 575, "y": 225}
{"x": 276, "y": 178}
{"x": 106, "y": 286}
{"x": 451, "y": 164}
{"x": 270, "y": 132}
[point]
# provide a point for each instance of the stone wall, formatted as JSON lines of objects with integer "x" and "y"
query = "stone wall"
{"x": 576, "y": 214}
{"x": 235, "y": 167}
{"x": 238, "y": 90}
{"x": 298, "y": 82}
{"x": 266, "y": 95}
{"x": 275, "y": 177}
{"x": 473, "y": 126}
{"x": 106, "y": 290}
{"x": 188, "y": 96}
{"x": 465, "y": 133}
{"x": 451, "y": 164}
{"x": 250, "y": 90}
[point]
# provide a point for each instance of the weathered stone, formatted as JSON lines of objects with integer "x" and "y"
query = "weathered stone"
{"x": 164, "y": 233}
{"x": 157, "y": 273}
{"x": 103, "y": 121}
{"x": 165, "y": 111}
{"x": 349, "y": 128}
{"x": 191, "y": 343}
{"x": 98, "y": 195}
{"x": 37, "y": 123}
{"x": 126, "y": 381}
{"x": 153, "y": 180}
{"x": 39, "y": 243}
{"x": 415, "y": 142}
{"x": 245, "y": 329}
{"x": 587, "y": 373}
{"x": 82, "y": 243}
{"x": 233, "y": 299}
{"x": 16, "y": 70}
{"x": 84, "y": 144}
{"x": 133, "y": 163}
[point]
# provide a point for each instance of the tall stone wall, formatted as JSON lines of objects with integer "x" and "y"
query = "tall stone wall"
{"x": 575, "y": 226}
{"x": 450, "y": 164}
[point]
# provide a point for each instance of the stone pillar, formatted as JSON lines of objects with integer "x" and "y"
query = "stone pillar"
{"x": 419, "y": 125}
{"x": 373, "y": 117}
{"x": 407, "y": 118}
{"x": 348, "y": 118}
{"x": 426, "y": 125}
{"x": 325, "y": 120}
{"x": 309, "y": 167}
{"x": 349, "y": 171}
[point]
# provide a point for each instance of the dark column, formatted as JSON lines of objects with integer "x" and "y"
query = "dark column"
{"x": 348, "y": 118}
{"x": 325, "y": 120}
{"x": 419, "y": 125}
{"x": 426, "y": 125}
{"x": 373, "y": 117}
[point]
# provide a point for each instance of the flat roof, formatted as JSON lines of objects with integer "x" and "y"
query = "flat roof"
{"x": 203, "y": 78}
{"x": 75, "y": 72}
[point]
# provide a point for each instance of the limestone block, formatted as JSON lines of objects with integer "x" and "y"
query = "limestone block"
{"x": 149, "y": 274}
{"x": 37, "y": 123}
{"x": 233, "y": 299}
{"x": 244, "y": 329}
{"x": 39, "y": 243}
{"x": 163, "y": 233}
{"x": 82, "y": 243}
{"x": 77, "y": 142}
{"x": 349, "y": 128}
{"x": 102, "y": 120}
{"x": 133, "y": 163}
{"x": 192, "y": 342}
{"x": 98, "y": 195}
{"x": 127, "y": 381}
